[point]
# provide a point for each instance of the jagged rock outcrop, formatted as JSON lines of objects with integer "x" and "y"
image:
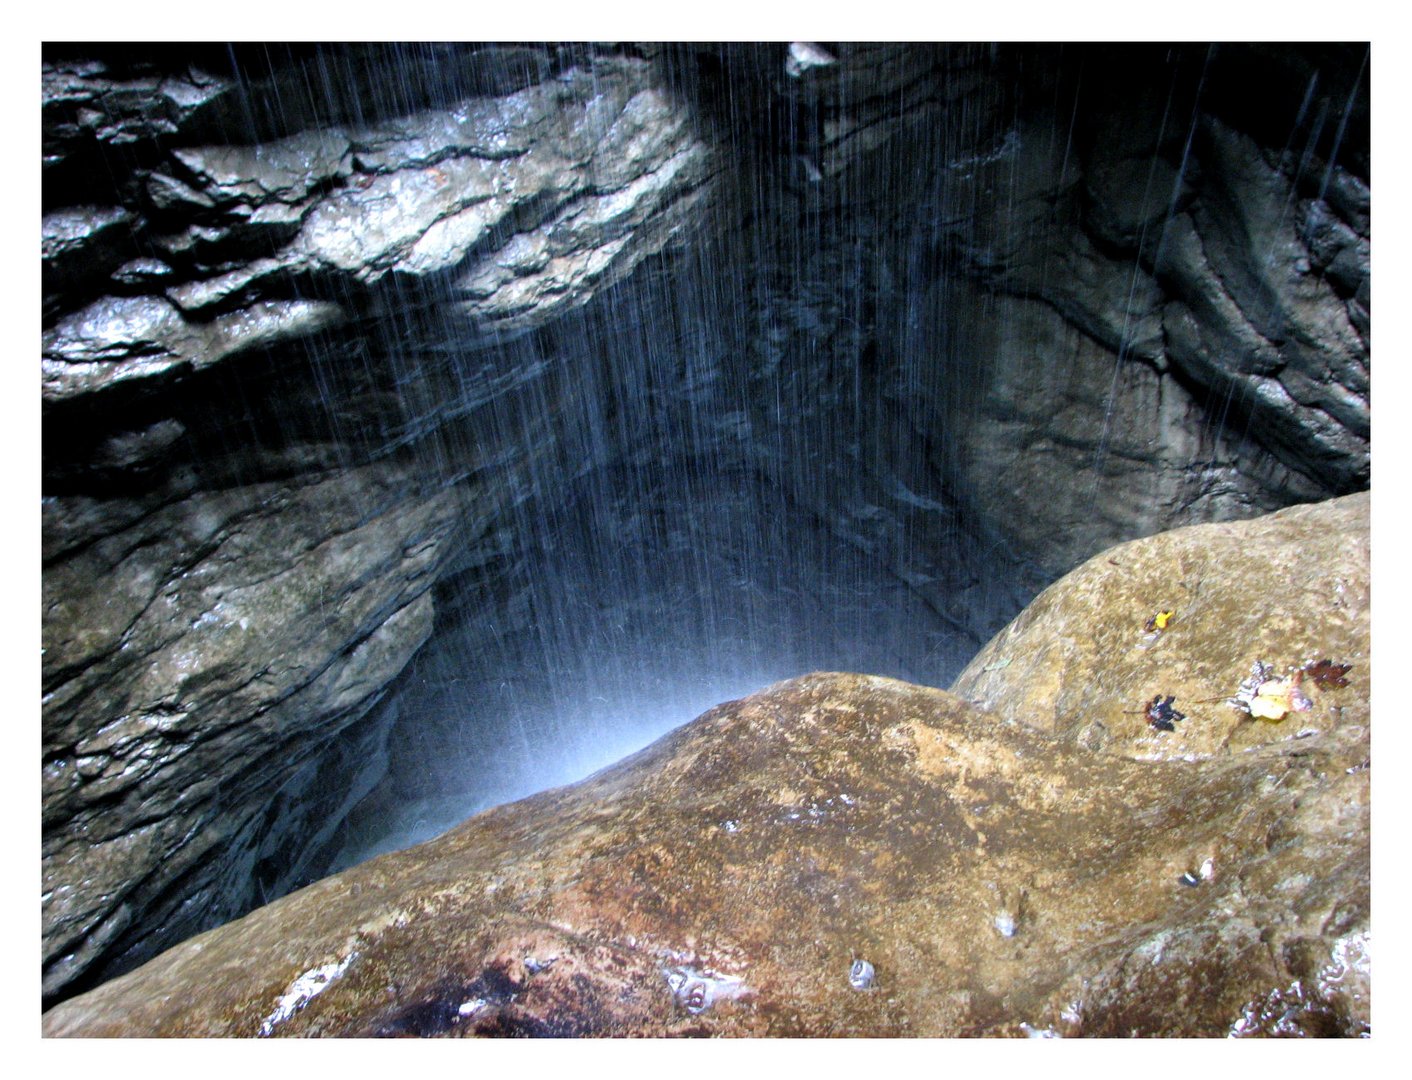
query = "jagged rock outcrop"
{"x": 326, "y": 327}
{"x": 1155, "y": 320}
{"x": 850, "y": 855}
{"x": 532, "y": 201}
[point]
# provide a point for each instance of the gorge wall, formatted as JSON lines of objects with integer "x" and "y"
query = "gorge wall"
{"x": 339, "y": 341}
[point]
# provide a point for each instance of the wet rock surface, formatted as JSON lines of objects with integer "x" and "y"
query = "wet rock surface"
{"x": 1286, "y": 590}
{"x": 533, "y": 200}
{"x": 199, "y": 684}
{"x": 850, "y": 855}
{"x": 957, "y": 308}
{"x": 1150, "y": 306}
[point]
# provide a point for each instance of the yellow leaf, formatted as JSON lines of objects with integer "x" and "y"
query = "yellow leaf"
{"x": 1269, "y": 706}
{"x": 1275, "y": 698}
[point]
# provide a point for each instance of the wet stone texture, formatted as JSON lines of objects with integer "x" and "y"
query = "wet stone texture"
{"x": 849, "y": 855}
{"x": 532, "y": 201}
{"x": 198, "y": 662}
{"x": 329, "y": 332}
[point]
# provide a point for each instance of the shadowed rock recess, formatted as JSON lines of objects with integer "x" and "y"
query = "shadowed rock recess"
{"x": 405, "y": 404}
{"x": 853, "y": 855}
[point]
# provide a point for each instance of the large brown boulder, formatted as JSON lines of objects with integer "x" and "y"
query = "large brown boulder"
{"x": 849, "y": 855}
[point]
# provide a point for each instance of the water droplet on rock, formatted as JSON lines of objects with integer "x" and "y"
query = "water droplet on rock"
{"x": 861, "y": 975}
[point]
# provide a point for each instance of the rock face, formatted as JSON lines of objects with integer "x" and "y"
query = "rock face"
{"x": 1137, "y": 326}
{"x": 228, "y": 587}
{"x": 850, "y": 855}
{"x": 329, "y": 331}
{"x": 534, "y": 200}
{"x": 144, "y": 741}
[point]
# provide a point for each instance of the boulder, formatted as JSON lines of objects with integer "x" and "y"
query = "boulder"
{"x": 844, "y": 854}
{"x": 1285, "y": 590}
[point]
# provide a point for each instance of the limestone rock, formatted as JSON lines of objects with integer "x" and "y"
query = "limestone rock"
{"x": 849, "y": 855}
{"x": 1189, "y": 318}
{"x": 84, "y": 99}
{"x": 268, "y": 287}
{"x": 1069, "y": 452}
{"x": 1285, "y": 590}
{"x": 591, "y": 173}
{"x": 288, "y": 170}
{"x": 804, "y": 55}
{"x": 121, "y": 339}
{"x": 193, "y": 660}
{"x": 80, "y": 243}
{"x": 1268, "y": 333}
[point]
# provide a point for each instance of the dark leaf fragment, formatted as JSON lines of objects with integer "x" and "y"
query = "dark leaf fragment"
{"x": 1161, "y": 715}
{"x": 1326, "y": 674}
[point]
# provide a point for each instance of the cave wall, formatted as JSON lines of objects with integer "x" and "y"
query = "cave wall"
{"x": 324, "y": 326}
{"x": 1131, "y": 288}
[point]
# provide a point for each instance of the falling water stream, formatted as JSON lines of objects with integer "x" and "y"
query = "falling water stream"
{"x": 638, "y": 612}
{"x": 746, "y": 456}
{"x": 721, "y": 476}
{"x": 707, "y": 523}
{"x": 719, "y": 480}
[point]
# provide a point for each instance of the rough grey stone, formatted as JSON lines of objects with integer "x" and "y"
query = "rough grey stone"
{"x": 70, "y": 233}
{"x": 118, "y": 339}
{"x": 187, "y": 678}
{"x": 287, "y": 171}
{"x": 82, "y": 102}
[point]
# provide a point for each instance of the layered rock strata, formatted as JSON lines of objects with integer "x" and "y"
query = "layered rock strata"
{"x": 264, "y": 570}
